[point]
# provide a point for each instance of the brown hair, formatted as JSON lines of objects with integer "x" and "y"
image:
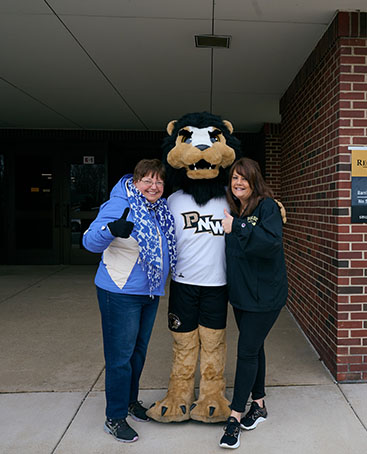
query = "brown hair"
{"x": 249, "y": 169}
{"x": 153, "y": 167}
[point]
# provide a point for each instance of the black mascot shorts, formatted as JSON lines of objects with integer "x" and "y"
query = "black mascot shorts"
{"x": 193, "y": 305}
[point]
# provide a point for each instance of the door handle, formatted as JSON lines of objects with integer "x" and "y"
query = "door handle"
{"x": 57, "y": 215}
{"x": 66, "y": 215}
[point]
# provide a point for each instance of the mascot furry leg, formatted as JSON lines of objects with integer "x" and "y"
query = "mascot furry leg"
{"x": 180, "y": 396}
{"x": 178, "y": 405}
{"x": 212, "y": 405}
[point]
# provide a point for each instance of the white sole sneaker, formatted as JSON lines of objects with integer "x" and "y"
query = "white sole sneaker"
{"x": 135, "y": 418}
{"x": 260, "y": 419}
{"x": 109, "y": 431}
{"x": 224, "y": 445}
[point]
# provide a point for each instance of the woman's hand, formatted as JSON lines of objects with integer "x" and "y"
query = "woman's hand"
{"x": 227, "y": 222}
{"x": 121, "y": 227}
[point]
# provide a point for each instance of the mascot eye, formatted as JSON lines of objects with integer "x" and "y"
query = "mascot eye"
{"x": 214, "y": 135}
{"x": 186, "y": 135}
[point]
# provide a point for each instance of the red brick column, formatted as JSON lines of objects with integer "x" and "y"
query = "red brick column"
{"x": 324, "y": 112}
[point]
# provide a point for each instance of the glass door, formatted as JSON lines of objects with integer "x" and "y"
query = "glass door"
{"x": 85, "y": 189}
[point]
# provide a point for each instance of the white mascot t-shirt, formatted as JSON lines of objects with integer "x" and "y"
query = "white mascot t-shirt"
{"x": 200, "y": 240}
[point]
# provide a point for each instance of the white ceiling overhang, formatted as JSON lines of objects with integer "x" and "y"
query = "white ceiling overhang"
{"x": 133, "y": 64}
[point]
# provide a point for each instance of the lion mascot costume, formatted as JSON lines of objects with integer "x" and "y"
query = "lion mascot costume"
{"x": 198, "y": 152}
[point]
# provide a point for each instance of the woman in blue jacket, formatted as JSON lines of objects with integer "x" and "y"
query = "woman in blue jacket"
{"x": 257, "y": 286}
{"x": 134, "y": 231}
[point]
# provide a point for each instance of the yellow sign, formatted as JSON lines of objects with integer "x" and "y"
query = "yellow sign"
{"x": 359, "y": 163}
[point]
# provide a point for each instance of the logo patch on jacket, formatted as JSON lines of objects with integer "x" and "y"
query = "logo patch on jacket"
{"x": 252, "y": 219}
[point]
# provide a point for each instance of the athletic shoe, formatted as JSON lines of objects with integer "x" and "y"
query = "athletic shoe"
{"x": 232, "y": 432}
{"x": 255, "y": 415}
{"x": 138, "y": 412}
{"x": 120, "y": 430}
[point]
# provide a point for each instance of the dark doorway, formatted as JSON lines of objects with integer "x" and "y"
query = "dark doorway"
{"x": 56, "y": 194}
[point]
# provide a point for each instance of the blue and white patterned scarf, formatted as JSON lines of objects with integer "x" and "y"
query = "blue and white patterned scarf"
{"x": 145, "y": 232}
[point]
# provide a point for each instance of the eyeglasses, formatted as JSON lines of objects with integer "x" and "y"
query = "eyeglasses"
{"x": 148, "y": 182}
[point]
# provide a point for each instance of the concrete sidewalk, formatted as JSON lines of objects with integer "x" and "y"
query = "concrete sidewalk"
{"x": 52, "y": 378}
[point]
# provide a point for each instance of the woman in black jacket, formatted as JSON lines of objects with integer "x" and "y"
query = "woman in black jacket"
{"x": 257, "y": 286}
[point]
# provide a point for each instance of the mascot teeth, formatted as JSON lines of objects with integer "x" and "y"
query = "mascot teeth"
{"x": 202, "y": 164}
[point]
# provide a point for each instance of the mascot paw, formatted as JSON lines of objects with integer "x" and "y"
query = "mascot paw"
{"x": 170, "y": 410}
{"x": 283, "y": 213}
{"x": 210, "y": 410}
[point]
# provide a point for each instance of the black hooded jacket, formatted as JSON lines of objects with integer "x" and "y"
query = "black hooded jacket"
{"x": 256, "y": 271}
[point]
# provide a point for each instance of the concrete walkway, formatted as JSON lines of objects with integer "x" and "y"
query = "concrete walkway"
{"x": 52, "y": 373}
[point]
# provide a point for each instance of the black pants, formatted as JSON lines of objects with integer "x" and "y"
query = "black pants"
{"x": 250, "y": 369}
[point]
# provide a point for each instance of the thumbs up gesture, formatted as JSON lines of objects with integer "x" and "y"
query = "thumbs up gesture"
{"x": 227, "y": 222}
{"x": 121, "y": 227}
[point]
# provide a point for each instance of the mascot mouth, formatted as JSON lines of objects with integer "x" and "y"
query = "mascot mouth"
{"x": 202, "y": 164}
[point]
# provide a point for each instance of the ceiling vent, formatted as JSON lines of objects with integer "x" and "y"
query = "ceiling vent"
{"x": 215, "y": 41}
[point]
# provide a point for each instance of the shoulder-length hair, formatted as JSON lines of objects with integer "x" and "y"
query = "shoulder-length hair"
{"x": 250, "y": 170}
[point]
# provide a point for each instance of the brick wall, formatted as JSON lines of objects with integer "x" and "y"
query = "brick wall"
{"x": 272, "y": 147}
{"x": 324, "y": 112}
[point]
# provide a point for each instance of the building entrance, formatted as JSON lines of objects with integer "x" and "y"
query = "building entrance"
{"x": 56, "y": 196}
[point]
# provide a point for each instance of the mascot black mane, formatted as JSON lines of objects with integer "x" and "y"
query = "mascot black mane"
{"x": 199, "y": 169}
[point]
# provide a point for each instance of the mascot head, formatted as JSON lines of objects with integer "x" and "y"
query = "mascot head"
{"x": 198, "y": 151}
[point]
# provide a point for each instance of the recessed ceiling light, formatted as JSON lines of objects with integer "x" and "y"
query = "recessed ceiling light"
{"x": 212, "y": 41}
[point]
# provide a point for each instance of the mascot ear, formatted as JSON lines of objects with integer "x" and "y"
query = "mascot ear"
{"x": 171, "y": 126}
{"x": 229, "y": 126}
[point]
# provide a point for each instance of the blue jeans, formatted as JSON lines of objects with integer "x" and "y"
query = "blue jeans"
{"x": 127, "y": 323}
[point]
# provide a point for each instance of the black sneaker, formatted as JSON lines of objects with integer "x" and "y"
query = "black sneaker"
{"x": 120, "y": 430}
{"x": 138, "y": 412}
{"x": 255, "y": 415}
{"x": 232, "y": 432}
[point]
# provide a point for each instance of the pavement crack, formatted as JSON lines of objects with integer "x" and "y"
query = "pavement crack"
{"x": 77, "y": 411}
{"x": 351, "y": 407}
{"x": 33, "y": 284}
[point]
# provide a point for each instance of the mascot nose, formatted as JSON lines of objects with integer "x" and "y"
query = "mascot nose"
{"x": 202, "y": 147}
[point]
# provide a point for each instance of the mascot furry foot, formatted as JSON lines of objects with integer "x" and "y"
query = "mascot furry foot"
{"x": 175, "y": 407}
{"x": 212, "y": 406}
